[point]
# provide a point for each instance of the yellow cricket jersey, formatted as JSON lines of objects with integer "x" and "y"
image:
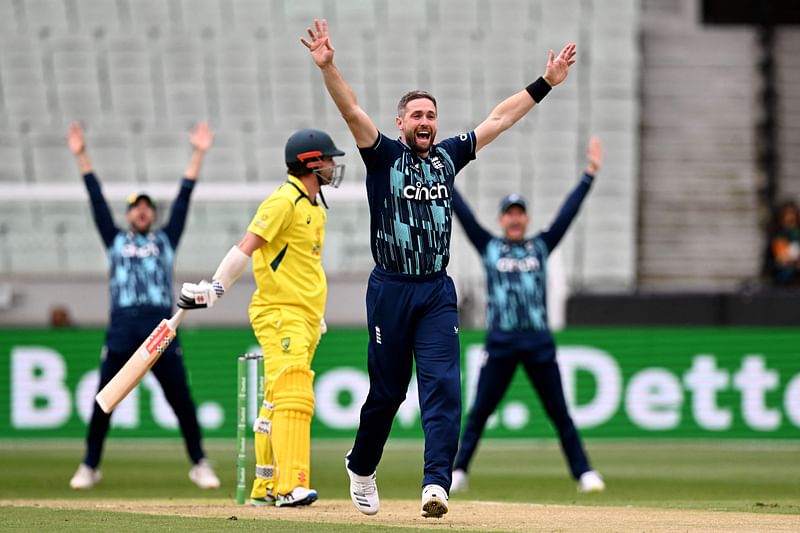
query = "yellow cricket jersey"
{"x": 288, "y": 268}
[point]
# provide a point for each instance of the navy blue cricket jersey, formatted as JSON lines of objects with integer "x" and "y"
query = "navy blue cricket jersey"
{"x": 516, "y": 271}
{"x": 409, "y": 202}
{"x": 140, "y": 265}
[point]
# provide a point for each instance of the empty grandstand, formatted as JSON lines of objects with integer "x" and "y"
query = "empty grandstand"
{"x": 137, "y": 74}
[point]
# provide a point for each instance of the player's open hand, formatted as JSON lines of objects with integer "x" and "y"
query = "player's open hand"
{"x": 558, "y": 67}
{"x": 320, "y": 44}
{"x": 201, "y": 137}
{"x": 75, "y": 139}
{"x": 200, "y": 295}
{"x": 595, "y": 156}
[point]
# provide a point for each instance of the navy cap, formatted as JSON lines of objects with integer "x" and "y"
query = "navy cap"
{"x": 135, "y": 198}
{"x": 512, "y": 200}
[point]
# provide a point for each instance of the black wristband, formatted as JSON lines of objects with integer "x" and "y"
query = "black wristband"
{"x": 538, "y": 89}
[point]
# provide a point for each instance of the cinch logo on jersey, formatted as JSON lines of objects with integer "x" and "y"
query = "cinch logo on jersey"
{"x": 148, "y": 250}
{"x": 425, "y": 192}
{"x": 510, "y": 264}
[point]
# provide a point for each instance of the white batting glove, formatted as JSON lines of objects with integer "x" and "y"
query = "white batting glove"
{"x": 323, "y": 327}
{"x": 200, "y": 295}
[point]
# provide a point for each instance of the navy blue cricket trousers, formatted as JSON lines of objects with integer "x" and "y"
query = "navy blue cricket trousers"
{"x": 537, "y": 355}
{"x": 411, "y": 319}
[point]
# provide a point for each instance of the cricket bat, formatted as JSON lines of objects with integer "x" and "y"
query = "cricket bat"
{"x": 139, "y": 363}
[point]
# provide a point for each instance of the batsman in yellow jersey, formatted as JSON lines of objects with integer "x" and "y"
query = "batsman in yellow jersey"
{"x": 285, "y": 241}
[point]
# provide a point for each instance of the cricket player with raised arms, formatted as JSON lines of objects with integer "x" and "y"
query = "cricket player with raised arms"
{"x": 411, "y": 301}
{"x": 286, "y": 312}
{"x": 141, "y": 258}
{"x": 517, "y": 330}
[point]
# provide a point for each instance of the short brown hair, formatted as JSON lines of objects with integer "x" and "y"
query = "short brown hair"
{"x": 413, "y": 95}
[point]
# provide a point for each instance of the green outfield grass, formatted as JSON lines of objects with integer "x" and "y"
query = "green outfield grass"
{"x": 741, "y": 476}
{"x": 750, "y": 476}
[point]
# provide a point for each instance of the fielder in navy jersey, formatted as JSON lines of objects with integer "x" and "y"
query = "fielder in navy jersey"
{"x": 411, "y": 301}
{"x": 141, "y": 261}
{"x": 518, "y": 334}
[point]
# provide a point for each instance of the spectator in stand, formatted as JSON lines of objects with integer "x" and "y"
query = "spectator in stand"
{"x": 60, "y": 317}
{"x": 783, "y": 254}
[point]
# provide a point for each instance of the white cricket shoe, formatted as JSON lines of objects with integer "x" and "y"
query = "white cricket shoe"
{"x": 591, "y": 481}
{"x": 434, "y": 501}
{"x": 298, "y": 497}
{"x": 460, "y": 482}
{"x": 203, "y": 475}
{"x": 363, "y": 490}
{"x": 85, "y": 477}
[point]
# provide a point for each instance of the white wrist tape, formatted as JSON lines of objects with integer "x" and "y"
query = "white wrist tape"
{"x": 231, "y": 268}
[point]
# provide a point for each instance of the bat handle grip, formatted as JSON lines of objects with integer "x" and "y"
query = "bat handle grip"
{"x": 176, "y": 319}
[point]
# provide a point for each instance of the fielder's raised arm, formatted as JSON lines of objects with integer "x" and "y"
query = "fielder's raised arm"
{"x": 201, "y": 138}
{"x": 513, "y": 108}
{"x": 77, "y": 146}
{"x": 594, "y": 156}
{"x": 361, "y": 126}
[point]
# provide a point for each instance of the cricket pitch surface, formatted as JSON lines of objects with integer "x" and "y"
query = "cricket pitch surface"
{"x": 463, "y": 515}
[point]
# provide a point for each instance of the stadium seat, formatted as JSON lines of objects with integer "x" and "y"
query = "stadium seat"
{"x": 85, "y": 253}
{"x": 133, "y": 103}
{"x": 202, "y": 16}
{"x": 226, "y": 222}
{"x": 70, "y": 217}
{"x": 128, "y": 59}
{"x": 8, "y": 18}
{"x": 35, "y": 252}
{"x": 79, "y": 102}
{"x": 236, "y": 60}
{"x": 150, "y": 17}
{"x": 456, "y": 13}
{"x": 300, "y": 15}
{"x": 52, "y": 160}
{"x": 224, "y": 162}
{"x": 201, "y": 250}
{"x": 133, "y": 94}
{"x": 396, "y": 63}
{"x": 111, "y": 151}
{"x": 256, "y": 17}
{"x": 512, "y": 17}
{"x": 24, "y": 86}
{"x": 165, "y": 155}
{"x": 97, "y": 18}
{"x": 239, "y": 105}
{"x": 15, "y": 217}
{"x": 186, "y": 104}
{"x": 76, "y": 77}
{"x": 404, "y": 15}
{"x": 183, "y": 58}
{"x": 12, "y": 169}
{"x": 508, "y": 62}
{"x": 45, "y": 17}
{"x": 292, "y": 103}
{"x": 271, "y": 163}
{"x": 351, "y": 16}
